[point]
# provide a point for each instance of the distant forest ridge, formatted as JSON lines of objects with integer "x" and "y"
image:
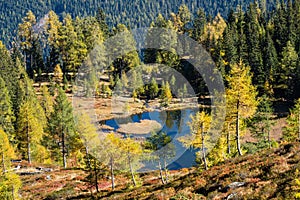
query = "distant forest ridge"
{"x": 133, "y": 13}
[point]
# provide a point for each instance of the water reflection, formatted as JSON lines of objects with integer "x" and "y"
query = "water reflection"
{"x": 174, "y": 124}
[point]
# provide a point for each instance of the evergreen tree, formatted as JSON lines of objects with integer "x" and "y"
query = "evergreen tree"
{"x": 52, "y": 27}
{"x": 270, "y": 62}
{"x": 30, "y": 45}
{"x": 199, "y": 25}
{"x": 261, "y": 123}
{"x": 253, "y": 39}
{"x": 62, "y": 128}
{"x": 240, "y": 97}
{"x": 72, "y": 49}
{"x": 287, "y": 69}
{"x": 127, "y": 60}
{"x": 292, "y": 131}
{"x": 7, "y": 117}
{"x": 153, "y": 88}
{"x": 166, "y": 94}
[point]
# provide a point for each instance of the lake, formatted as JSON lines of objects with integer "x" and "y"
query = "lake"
{"x": 175, "y": 124}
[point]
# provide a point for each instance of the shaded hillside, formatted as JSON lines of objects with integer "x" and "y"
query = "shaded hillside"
{"x": 132, "y": 12}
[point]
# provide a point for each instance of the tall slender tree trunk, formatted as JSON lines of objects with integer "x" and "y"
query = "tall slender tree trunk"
{"x": 13, "y": 192}
{"x": 28, "y": 148}
{"x": 166, "y": 171}
{"x": 238, "y": 144}
{"x": 228, "y": 139}
{"x": 3, "y": 162}
{"x": 161, "y": 173}
{"x": 64, "y": 150}
{"x": 298, "y": 124}
{"x": 112, "y": 173}
{"x": 87, "y": 157}
{"x": 203, "y": 147}
{"x": 96, "y": 176}
{"x": 131, "y": 171}
{"x": 27, "y": 135}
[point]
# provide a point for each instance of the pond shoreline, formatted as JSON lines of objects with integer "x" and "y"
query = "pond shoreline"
{"x": 153, "y": 106}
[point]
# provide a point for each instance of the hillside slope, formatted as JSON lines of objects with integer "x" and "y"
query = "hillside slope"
{"x": 269, "y": 174}
{"x": 133, "y": 13}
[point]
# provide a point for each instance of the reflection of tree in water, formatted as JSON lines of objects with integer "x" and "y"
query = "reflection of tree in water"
{"x": 162, "y": 151}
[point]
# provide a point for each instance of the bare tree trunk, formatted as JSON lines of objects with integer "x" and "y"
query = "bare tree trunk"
{"x": 238, "y": 144}
{"x": 13, "y": 192}
{"x": 3, "y": 162}
{"x": 203, "y": 147}
{"x": 112, "y": 173}
{"x": 96, "y": 176}
{"x": 228, "y": 139}
{"x": 131, "y": 171}
{"x": 28, "y": 148}
{"x": 88, "y": 157}
{"x": 161, "y": 173}
{"x": 64, "y": 150}
{"x": 299, "y": 125}
{"x": 166, "y": 171}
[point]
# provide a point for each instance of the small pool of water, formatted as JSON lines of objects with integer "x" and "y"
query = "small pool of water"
{"x": 174, "y": 123}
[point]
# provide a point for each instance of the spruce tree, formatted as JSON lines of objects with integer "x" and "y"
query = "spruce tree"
{"x": 62, "y": 128}
{"x": 292, "y": 131}
{"x": 7, "y": 117}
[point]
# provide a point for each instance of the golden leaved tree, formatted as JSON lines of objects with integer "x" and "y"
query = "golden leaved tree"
{"x": 240, "y": 98}
{"x": 199, "y": 125}
{"x": 10, "y": 183}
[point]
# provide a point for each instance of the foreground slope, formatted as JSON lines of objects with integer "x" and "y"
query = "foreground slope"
{"x": 270, "y": 174}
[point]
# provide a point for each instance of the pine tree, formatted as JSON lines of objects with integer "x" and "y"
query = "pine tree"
{"x": 292, "y": 131}
{"x": 240, "y": 97}
{"x": 7, "y": 117}
{"x": 287, "y": 69}
{"x": 166, "y": 94}
{"x": 199, "y": 25}
{"x": 261, "y": 123}
{"x": 255, "y": 60}
{"x": 270, "y": 59}
{"x": 52, "y": 27}
{"x": 72, "y": 48}
{"x": 127, "y": 60}
{"x": 61, "y": 126}
{"x": 153, "y": 88}
{"x": 11, "y": 75}
{"x": 30, "y": 45}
